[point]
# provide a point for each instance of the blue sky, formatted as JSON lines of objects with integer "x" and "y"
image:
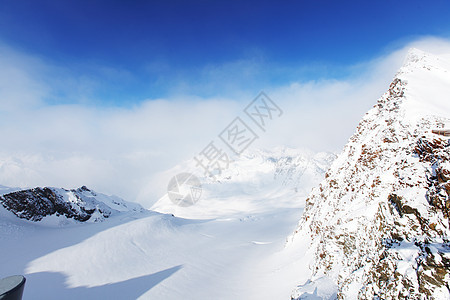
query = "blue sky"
{"x": 112, "y": 94}
{"x": 128, "y": 51}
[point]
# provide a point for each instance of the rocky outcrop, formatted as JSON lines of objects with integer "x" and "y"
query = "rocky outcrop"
{"x": 78, "y": 204}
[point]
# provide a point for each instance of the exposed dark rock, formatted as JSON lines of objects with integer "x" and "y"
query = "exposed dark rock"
{"x": 80, "y": 204}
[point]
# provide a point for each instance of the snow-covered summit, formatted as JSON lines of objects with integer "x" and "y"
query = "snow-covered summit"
{"x": 378, "y": 225}
{"x": 428, "y": 80}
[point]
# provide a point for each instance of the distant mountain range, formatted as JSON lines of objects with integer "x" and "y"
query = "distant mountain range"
{"x": 257, "y": 181}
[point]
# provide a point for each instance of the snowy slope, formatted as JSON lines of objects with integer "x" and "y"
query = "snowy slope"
{"x": 256, "y": 182}
{"x": 148, "y": 256}
{"x": 233, "y": 254}
{"x": 378, "y": 224}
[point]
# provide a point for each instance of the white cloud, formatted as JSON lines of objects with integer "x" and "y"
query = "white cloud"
{"x": 120, "y": 150}
{"x": 19, "y": 84}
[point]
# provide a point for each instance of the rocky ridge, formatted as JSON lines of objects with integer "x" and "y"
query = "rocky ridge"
{"x": 82, "y": 204}
{"x": 379, "y": 222}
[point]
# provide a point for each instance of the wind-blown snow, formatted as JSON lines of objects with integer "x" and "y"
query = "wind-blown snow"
{"x": 428, "y": 80}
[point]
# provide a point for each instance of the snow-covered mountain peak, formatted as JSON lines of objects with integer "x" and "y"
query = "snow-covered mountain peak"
{"x": 416, "y": 58}
{"x": 379, "y": 221}
{"x": 427, "y": 80}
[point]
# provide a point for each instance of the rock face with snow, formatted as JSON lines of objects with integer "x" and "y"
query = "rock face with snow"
{"x": 379, "y": 222}
{"x": 79, "y": 204}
